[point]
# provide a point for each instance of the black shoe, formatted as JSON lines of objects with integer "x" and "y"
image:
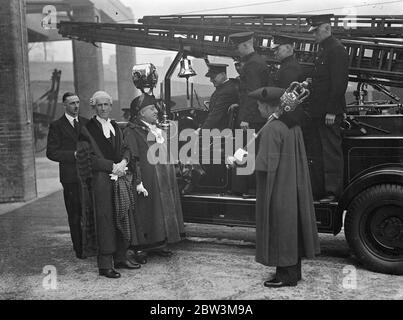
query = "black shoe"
{"x": 140, "y": 257}
{"x": 278, "y": 284}
{"x": 274, "y": 279}
{"x": 109, "y": 273}
{"x": 234, "y": 193}
{"x": 80, "y": 255}
{"x": 127, "y": 265}
{"x": 328, "y": 199}
{"x": 163, "y": 253}
{"x": 248, "y": 195}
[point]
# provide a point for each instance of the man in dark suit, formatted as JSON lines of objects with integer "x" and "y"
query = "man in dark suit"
{"x": 61, "y": 147}
{"x": 326, "y": 107}
{"x": 225, "y": 95}
{"x": 254, "y": 74}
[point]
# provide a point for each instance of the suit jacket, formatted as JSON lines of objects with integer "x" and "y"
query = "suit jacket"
{"x": 224, "y": 95}
{"x": 61, "y": 145}
{"x": 253, "y": 75}
{"x": 329, "y": 79}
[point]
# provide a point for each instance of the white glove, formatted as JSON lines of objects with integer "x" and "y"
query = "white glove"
{"x": 230, "y": 161}
{"x": 240, "y": 154}
{"x": 140, "y": 189}
{"x": 117, "y": 173}
{"x": 237, "y": 158}
{"x": 120, "y": 168}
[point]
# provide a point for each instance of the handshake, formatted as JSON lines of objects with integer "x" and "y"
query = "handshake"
{"x": 119, "y": 169}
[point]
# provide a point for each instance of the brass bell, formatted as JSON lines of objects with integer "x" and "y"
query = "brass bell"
{"x": 186, "y": 69}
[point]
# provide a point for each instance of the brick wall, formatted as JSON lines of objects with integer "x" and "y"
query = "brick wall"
{"x": 17, "y": 165}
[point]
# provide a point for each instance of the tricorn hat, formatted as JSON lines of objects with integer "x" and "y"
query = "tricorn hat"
{"x": 238, "y": 38}
{"x": 317, "y": 20}
{"x": 216, "y": 68}
{"x": 140, "y": 102}
{"x": 267, "y": 94}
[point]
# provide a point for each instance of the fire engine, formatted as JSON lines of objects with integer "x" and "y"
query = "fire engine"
{"x": 371, "y": 206}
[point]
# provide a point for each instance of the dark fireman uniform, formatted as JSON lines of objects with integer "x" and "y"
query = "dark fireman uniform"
{"x": 324, "y": 143}
{"x": 290, "y": 71}
{"x": 225, "y": 95}
{"x": 254, "y": 75}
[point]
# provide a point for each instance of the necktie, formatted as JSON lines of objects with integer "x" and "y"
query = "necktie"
{"x": 75, "y": 123}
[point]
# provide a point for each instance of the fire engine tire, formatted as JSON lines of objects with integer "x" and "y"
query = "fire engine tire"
{"x": 374, "y": 228}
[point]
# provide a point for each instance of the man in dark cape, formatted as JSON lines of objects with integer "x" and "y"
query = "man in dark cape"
{"x": 285, "y": 217}
{"x": 159, "y": 219}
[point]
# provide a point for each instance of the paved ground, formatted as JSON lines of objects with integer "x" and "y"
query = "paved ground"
{"x": 213, "y": 263}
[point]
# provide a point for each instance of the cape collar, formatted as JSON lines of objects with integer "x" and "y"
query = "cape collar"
{"x": 137, "y": 123}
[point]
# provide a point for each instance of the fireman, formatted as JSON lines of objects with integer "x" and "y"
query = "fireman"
{"x": 253, "y": 75}
{"x": 326, "y": 108}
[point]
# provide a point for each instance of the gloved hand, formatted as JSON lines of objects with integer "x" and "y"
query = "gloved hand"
{"x": 120, "y": 168}
{"x": 140, "y": 189}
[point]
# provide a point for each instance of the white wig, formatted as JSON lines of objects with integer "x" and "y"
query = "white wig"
{"x": 97, "y": 95}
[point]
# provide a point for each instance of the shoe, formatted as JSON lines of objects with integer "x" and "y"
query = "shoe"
{"x": 248, "y": 195}
{"x": 80, "y": 255}
{"x": 270, "y": 280}
{"x": 328, "y": 199}
{"x": 236, "y": 194}
{"x": 127, "y": 265}
{"x": 163, "y": 253}
{"x": 109, "y": 273}
{"x": 273, "y": 283}
{"x": 140, "y": 257}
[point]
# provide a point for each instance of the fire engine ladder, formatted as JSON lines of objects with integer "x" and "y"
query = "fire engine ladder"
{"x": 351, "y": 26}
{"x": 375, "y": 55}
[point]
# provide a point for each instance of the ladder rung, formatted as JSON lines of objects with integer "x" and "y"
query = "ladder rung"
{"x": 367, "y": 56}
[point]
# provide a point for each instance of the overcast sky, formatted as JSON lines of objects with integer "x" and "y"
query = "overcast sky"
{"x": 161, "y": 7}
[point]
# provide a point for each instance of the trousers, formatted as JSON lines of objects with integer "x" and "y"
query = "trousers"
{"x": 73, "y": 207}
{"x": 325, "y": 156}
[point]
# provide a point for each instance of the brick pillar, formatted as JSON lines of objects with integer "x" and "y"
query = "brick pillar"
{"x": 17, "y": 161}
{"x": 125, "y": 60}
{"x": 87, "y": 62}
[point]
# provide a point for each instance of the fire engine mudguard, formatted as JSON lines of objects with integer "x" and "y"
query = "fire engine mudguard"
{"x": 374, "y": 220}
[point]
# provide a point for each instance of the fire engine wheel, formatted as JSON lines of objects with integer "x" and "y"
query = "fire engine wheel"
{"x": 374, "y": 228}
